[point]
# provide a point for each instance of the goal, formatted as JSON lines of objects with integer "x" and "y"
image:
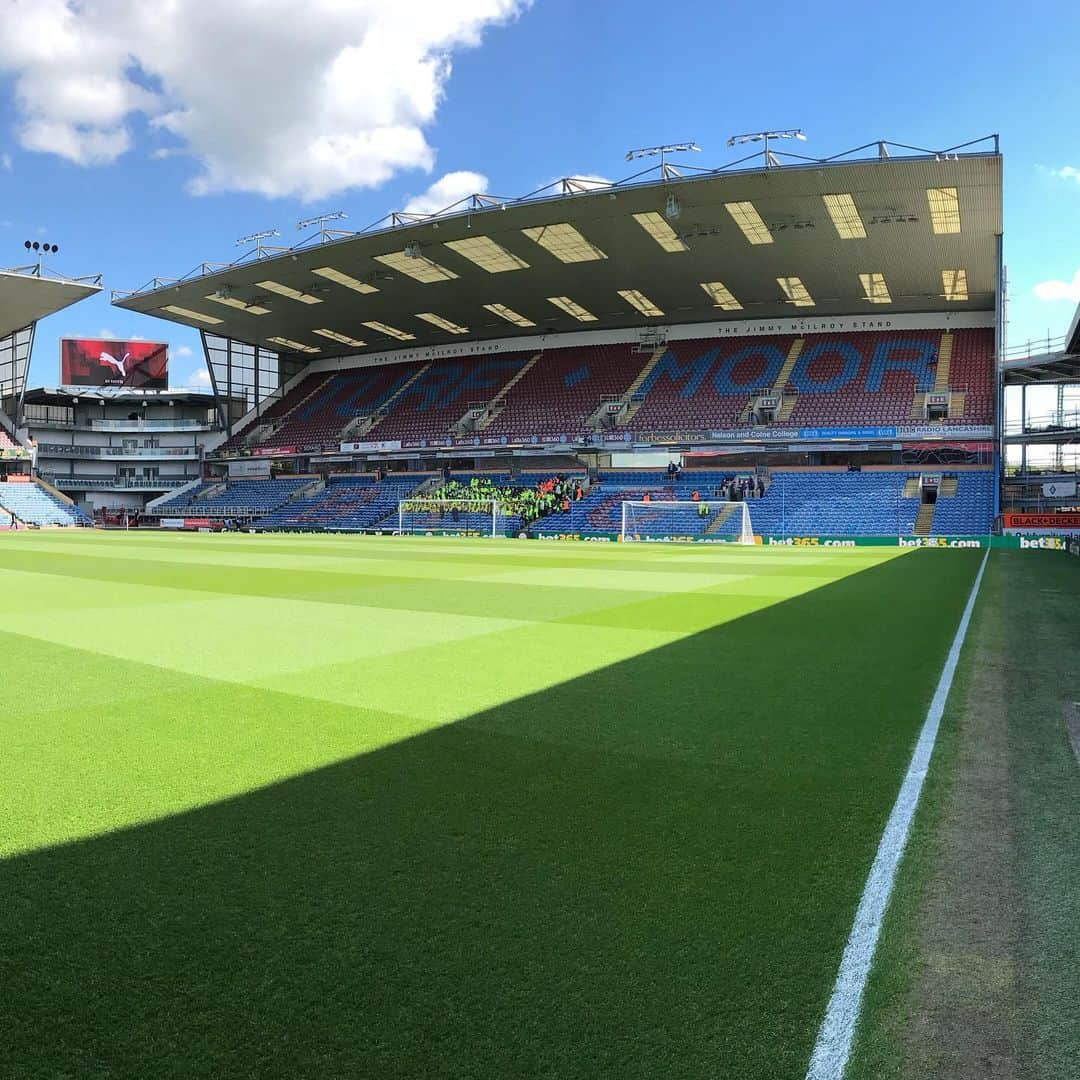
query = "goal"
{"x": 715, "y": 520}
{"x": 452, "y": 517}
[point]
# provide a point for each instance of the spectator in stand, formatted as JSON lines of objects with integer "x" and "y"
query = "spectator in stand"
{"x": 646, "y": 498}
{"x": 579, "y": 494}
{"x": 703, "y": 509}
{"x": 694, "y": 496}
{"x": 760, "y": 488}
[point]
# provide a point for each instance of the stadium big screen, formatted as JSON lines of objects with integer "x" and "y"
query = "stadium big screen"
{"x": 90, "y": 362}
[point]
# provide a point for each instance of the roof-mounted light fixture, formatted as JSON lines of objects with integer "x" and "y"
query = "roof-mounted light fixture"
{"x": 257, "y": 239}
{"x": 662, "y": 152}
{"x": 321, "y": 220}
{"x": 771, "y": 161}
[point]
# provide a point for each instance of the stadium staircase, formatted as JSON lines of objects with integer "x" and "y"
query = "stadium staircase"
{"x": 633, "y": 397}
{"x": 924, "y": 519}
{"x": 944, "y": 363}
{"x": 357, "y": 429}
{"x": 263, "y": 431}
{"x": 498, "y": 402}
{"x": 790, "y": 397}
{"x": 718, "y": 520}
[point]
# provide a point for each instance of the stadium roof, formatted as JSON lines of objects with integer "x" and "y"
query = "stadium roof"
{"x": 26, "y": 296}
{"x": 872, "y": 236}
{"x": 1057, "y": 361}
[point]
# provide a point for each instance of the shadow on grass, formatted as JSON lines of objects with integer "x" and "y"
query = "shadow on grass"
{"x": 647, "y": 872}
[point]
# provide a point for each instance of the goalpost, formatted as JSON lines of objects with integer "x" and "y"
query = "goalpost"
{"x": 718, "y": 520}
{"x": 452, "y": 517}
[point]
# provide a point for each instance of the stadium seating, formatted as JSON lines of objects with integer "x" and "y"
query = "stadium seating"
{"x": 831, "y": 380}
{"x": 562, "y": 389}
{"x": 173, "y": 502}
{"x": 835, "y": 504}
{"x": 705, "y": 384}
{"x": 796, "y": 503}
{"x": 347, "y": 503}
{"x": 843, "y": 380}
{"x": 242, "y": 498}
{"x": 971, "y": 511}
{"x": 317, "y": 411}
{"x": 431, "y": 405}
{"x": 32, "y": 504}
{"x": 599, "y": 513}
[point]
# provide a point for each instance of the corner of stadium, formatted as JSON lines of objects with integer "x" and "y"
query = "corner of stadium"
{"x": 611, "y": 632}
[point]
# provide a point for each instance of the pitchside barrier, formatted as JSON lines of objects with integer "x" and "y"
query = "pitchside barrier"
{"x": 1010, "y": 543}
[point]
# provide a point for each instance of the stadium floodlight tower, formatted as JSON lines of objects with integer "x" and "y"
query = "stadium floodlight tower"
{"x": 764, "y": 136}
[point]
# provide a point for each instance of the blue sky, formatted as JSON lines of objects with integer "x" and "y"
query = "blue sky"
{"x": 143, "y": 147}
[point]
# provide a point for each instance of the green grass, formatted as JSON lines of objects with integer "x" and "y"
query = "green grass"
{"x": 978, "y": 971}
{"x": 315, "y": 807}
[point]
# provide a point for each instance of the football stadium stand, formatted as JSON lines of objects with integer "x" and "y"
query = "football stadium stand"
{"x": 347, "y": 503}
{"x": 240, "y": 498}
{"x": 322, "y": 407}
{"x": 824, "y": 380}
{"x": 826, "y": 502}
{"x": 560, "y": 391}
{"x": 31, "y": 504}
{"x": 440, "y": 396}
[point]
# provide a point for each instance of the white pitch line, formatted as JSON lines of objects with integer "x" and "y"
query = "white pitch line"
{"x": 837, "y": 1030}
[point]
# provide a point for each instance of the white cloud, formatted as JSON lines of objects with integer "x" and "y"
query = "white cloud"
{"x": 1067, "y": 172}
{"x": 182, "y": 350}
{"x": 447, "y": 190}
{"x": 348, "y": 109}
{"x": 199, "y": 378}
{"x": 1060, "y": 290}
{"x": 5, "y": 162}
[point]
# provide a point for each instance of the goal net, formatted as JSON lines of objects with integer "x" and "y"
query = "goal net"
{"x": 716, "y": 520}
{"x": 452, "y": 517}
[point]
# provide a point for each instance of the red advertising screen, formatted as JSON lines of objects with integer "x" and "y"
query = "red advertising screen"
{"x": 89, "y": 362}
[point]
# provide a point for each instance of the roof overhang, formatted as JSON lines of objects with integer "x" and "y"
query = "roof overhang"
{"x": 26, "y": 297}
{"x": 1050, "y": 368}
{"x": 890, "y": 196}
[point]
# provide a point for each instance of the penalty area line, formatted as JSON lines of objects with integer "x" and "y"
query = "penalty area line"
{"x": 837, "y": 1031}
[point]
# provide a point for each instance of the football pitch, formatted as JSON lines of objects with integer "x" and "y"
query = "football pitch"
{"x": 295, "y": 806}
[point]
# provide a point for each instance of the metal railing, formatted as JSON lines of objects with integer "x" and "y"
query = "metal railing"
{"x": 1034, "y": 347}
{"x": 110, "y": 483}
{"x": 79, "y": 450}
{"x": 1046, "y": 424}
{"x": 177, "y": 424}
